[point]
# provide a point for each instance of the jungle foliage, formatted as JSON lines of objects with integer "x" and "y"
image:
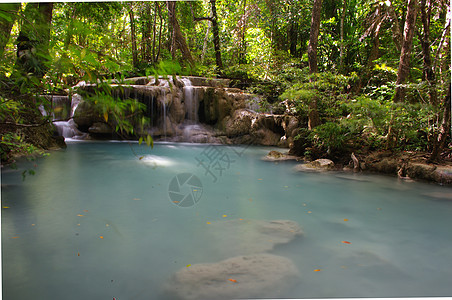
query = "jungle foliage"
{"x": 360, "y": 93}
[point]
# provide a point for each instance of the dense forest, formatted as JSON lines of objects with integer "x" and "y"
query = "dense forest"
{"x": 361, "y": 75}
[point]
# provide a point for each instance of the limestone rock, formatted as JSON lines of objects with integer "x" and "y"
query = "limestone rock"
{"x": 251, "y": 276}
{"x": 247, "y": 236}
{"x": 278, "y": 156}
{"x": 317, "y": 165}
{"x": 100, "y": 128}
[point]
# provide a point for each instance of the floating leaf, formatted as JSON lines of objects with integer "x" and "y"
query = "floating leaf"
{"x": 345, "y": 242}
{"x": 304, "y": 204}
{"x": 141, "y": 157}
{"x": 176, "y": 202}
{"x": 15, "y": 237}
{"x": 33, "y": 224}
{"x": 208, "y": 223}
{"x": 345, "y": 220}
{"x": 78, "y": 253}
{"x": 101, "y": 237}
{"x": 79, "y": 215}
{"x": 136, "y": 199}
{"x": 5, "y": 206}
{"x": 309, "y": 212}
{"x": 85, "y": 210}
{"x": 317, "y": 270}
{"x": 232, "y": 280}
{"x": 224, "y": 216}
{"x": 259, "y": 179}
{"x": 188, "y": 265}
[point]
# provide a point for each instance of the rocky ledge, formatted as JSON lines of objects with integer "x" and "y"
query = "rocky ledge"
{"x": 406, "y": 165}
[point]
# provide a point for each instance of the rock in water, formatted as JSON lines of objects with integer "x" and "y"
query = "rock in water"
{"x": 243, "y": 236}
{"x": 251, "y": 276}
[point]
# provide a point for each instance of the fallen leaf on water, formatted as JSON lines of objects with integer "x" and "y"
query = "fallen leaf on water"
{"x": 232, "y": 280}
{"x": 78, "y": 224}
{"x": 136, "y": 199}
{"x": 240, "y": 219}
{"x": 188, "y": 265}
{"x": 141, "y": 157}
{"x": 176, "y": 201}
{"x": 345, "y": 242}
{"x": 15, "y": 237}
{"x": 208, "y": 223}
{"x": 33, "y": 224}
{"x": 101, "y": 237}
{"x": 85, "y": 210}
{"x": 78, "y": 253}
{"x": 5, "y": 206}
{"x": 259, "y": 179}
{"x": 80, "y": 215}
{"x": 195, "y": 190}
{"x": 304, "y": 204}
{"x": 106, "y": 225}
{"x": 224, "y": 216}
{"x": 317, "y": 270}
{"x": 345, "y": 220}
{"x": 309, "y": 212}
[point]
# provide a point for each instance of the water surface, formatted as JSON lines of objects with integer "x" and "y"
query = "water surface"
{"x": 97, "y": 222}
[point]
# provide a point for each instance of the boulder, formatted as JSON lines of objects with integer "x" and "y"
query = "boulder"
{"x": 251, "y": 276}
{"x": 100, "y": 128}
{"x": 247, "y": 236}
{"x": 317, "y": 165}
{"x": 85, "y": 115}
{"x": 278, "y": 156}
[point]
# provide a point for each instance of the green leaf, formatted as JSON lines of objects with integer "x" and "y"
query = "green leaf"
{"x": 140, "y": 140}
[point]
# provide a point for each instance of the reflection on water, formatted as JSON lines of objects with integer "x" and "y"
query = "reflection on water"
{"x": 96, "y": 222}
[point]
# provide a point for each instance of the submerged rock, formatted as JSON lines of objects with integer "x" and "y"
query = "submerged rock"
{"x": 242, "y": 236}
{"x": 251, "y": 276}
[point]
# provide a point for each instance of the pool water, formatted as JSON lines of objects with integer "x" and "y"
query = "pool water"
{"x": 97, "y": 221}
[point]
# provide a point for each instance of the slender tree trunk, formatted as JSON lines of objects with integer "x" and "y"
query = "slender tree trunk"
{"x": 242, "y": 53}
{"x": 154, "y": 32}
{"x": 216, "y": 36}
{"x": 396, "y": 33}
{"x": 342, "y": 47}
{"x": 10, "y": 10}
{"x": 134, "y": 36}
{"x": 404, "y": 62}
{"x": 204, "y": 47}
{"x": 178, "y": 38}
{"x": 429, "y": 75}
{"x": 160, "y": 33}
{"x": 314, "y": 118}
{"x": 444, "y": 130}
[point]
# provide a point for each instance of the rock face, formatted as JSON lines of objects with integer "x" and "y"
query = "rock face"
{"x": 250, "y": 276}
{"x": 176, "y": 105}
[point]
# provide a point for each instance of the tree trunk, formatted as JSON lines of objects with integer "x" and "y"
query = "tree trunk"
{"x": 216, "y": 36}
{"x": 344, "y": 10}
{"x": 134, "y": 36}
{"x": 428, "y": 72}
{"x": 154, "y": 32}
{"x": 444, "y": 130}
{"x": 404, "y": 62}
{"x": 34, "y": 38}
{"x": 178, "y": 39}
{"x": 160, "y": 33}
{"x": 314, "y": 119}
{"x": 204, "y": 47}
{"x": 314, "y": 36}
{"x": 396, "y": 33}
{"x": 10, "y": 10}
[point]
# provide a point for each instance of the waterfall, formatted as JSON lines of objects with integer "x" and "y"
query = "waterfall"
{"x": 164, "y": 112}
{"x": 191, "y": 101}
{"x": 67, "y": 129}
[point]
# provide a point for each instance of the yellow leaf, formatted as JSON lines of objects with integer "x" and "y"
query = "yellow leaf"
{"x": 106, "y": 116}
{"x": 101, "y": 237}
{"x": 80, "y": 215}
{"x": 317, "y": 270}
{"x": 224, "y": 216}
{"x": 208, "y": 223}
{"x": 345, "y": 220}
{"x": 188, "y": 266}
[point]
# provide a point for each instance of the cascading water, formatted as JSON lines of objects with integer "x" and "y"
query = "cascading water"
{"x": 191, "y": 103}
{"x": 63, "y": 109}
